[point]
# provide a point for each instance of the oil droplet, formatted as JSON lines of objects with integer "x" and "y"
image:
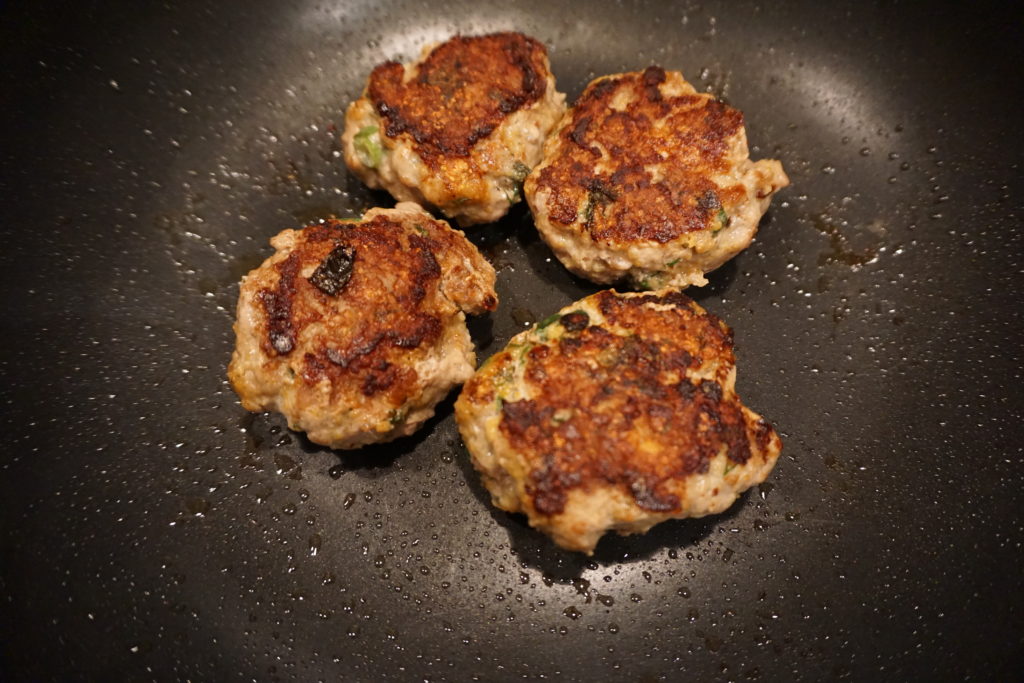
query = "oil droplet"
{"x": 572, "y": 613}
{"x": 197, "y": 506}
{"x": 522, "y": 316}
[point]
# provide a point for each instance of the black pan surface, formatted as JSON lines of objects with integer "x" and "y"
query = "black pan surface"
{"x": 154, "y": 530}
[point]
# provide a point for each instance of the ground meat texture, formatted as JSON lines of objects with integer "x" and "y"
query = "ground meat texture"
{"x": 647, "y": 180}
{"x": 354, "y": 330}
{"x": 615, "y": 414}
{"x": 459, "y": 129}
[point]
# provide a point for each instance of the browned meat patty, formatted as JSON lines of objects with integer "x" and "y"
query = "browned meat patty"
{"x": 647, "y": 179}
{"x": 354, "y": 330}
{"x": 615, "y": 414}
{"x": 460, "y": 128}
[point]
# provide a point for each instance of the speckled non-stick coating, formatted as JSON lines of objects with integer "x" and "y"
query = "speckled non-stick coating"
{"x": 152, "y": 529}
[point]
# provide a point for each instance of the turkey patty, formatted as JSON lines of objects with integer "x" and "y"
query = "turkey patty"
{"x": 647, "y": 179}
{"x": 354, "y": 330}
{"x": 460, "y": 128}
{"x": 615, "y": 414}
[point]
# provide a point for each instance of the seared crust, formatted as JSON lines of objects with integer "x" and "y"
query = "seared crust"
{"x": 354, "y": 330}
{"x": 644, "y": 172}
{"x": 618, "y": 413}
{"x": 461, "y": 92}
{"x": 630, "y": 202}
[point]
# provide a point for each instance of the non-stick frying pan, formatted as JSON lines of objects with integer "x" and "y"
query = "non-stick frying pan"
{"x": 154, "y": 530}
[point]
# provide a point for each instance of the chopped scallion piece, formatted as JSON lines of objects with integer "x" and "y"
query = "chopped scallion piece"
{"x": 548, "y": 321}
{"x": 723, "y": 219}
{"x": 520, "y": 171}
{"x": 368, "y": 147}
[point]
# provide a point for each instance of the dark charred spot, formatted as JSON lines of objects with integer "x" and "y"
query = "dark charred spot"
{"x": 575, "y": 321}
{"x": 685, "y": 390}
{"x": 653, "y": 76}
{"x": 601, "y": 191}
{"x": 549, "y": 494}
{"x": 739, "y": 446}
{"x": 711, "y": 389}
{"x": 524, "y": 416}
{"x": 578, "y": 135}
{"x": 763, "y": 433}
{"x": 423, "y": 328}
{"x": 647, "y": 497}
{"x": 277, "y": 304}
{"x": 313, "y": 368}
{"x": 379, "y": 377}
{"x": 603, "y": 89}
{"x": 709, "y": 201}
{"x": 361, "y": 346}
{"x": 334, "y": 272}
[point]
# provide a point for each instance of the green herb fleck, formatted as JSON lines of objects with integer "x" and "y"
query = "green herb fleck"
{"x": 673, "y": 262}
{"x": 654, "y": 280}
{"x": 520, "y": 171}
{"x": 368, "y": 147}
{"x": 551, "y": 319}
{"x": 729, "y": 467}
{"x": 723, "y": 219}
{"x": 514, "y": 195}
{"x": 421, "y": 230}
{"x": 397, "y": 415}
{"x": 599, "y": 194}
{"x": 588, "y": 211}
